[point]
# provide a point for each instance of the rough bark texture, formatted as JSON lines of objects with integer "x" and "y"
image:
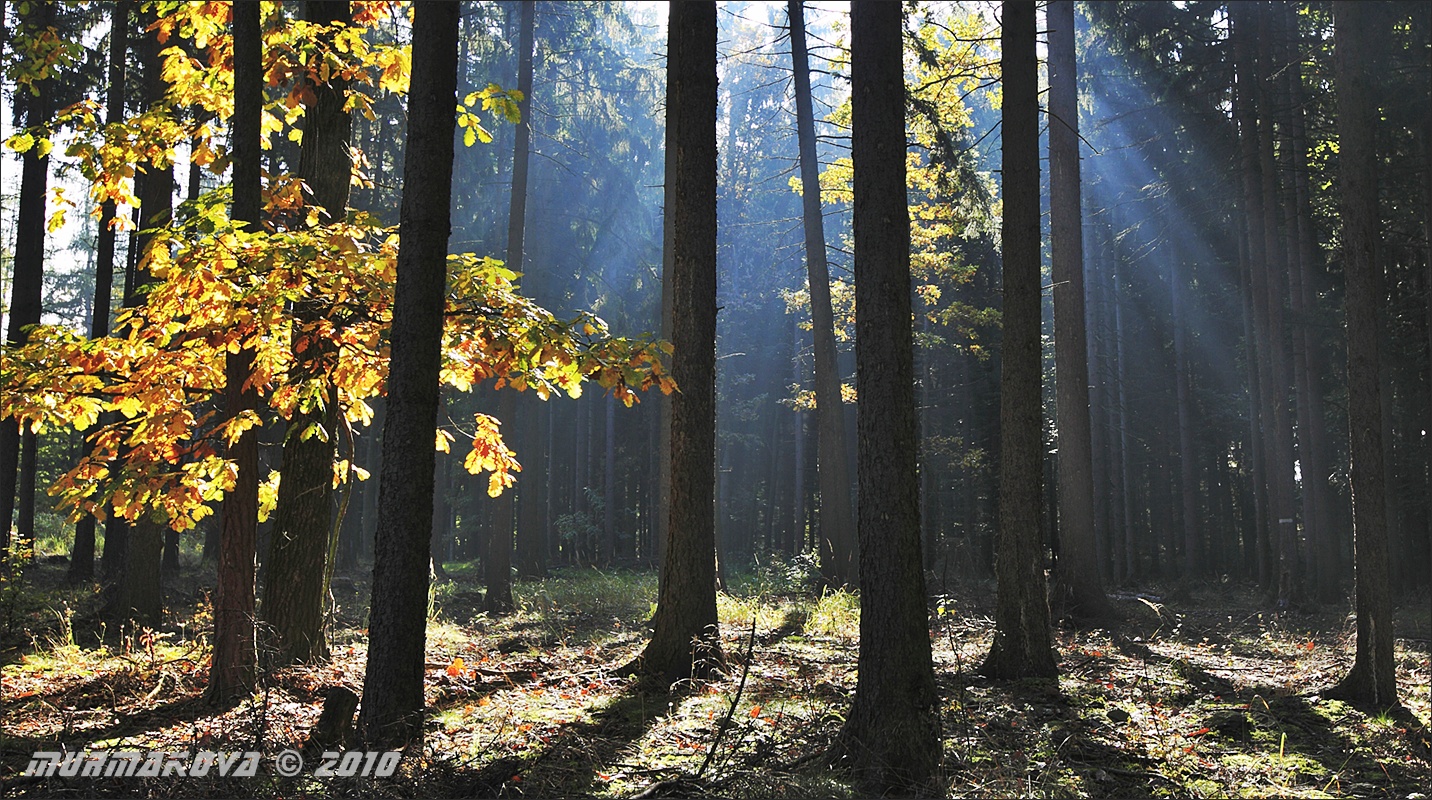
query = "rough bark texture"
{"x": 234, "y": 663}
{"x": 891, "y": 738}
{"x": 294, "y": 590}
{"x": 24, "y": 310}
{"x": 393, "y": 682}
{"x": 839, "y": 558}
{"x": 686, "y": 640}
{"x": 1372, "y": 682}
{"x": 139, "y": 593}
{"x": 1022, "y": 646}
{"x": 1077, "y": 591}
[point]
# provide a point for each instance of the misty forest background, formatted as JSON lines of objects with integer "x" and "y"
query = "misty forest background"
{"x": 1157, "y": 439}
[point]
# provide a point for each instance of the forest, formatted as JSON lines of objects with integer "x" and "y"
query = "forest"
{"x": 794, "y": 399}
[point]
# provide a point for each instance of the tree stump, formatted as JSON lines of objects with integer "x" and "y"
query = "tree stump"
{"x": 335, "y": 723}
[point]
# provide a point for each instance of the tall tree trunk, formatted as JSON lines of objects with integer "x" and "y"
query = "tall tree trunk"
{"x": 17, "y": 449}
{"x": 234, "y": 662}
{"x": 1188, "y": 457}
{"x": 891, "y": 738}
{"x": 1022, "y": 646}
{"x": 1246, "y": 110}
{"x": 686, "y": 640}
{"x": 532, "y": 434}
{"x": 294, "y": 589}
{"x": 393, "y": 682}
{"x": 609, "y": 484}
{"x": 838, "y": 551}
{"x": 139, "y": 593}
{"x": 1318, "y": 525}
{"x": 1372, "y": 682}
{"x": 1280, "y": 451}
{"x": 82, "y": 554}
{"x": 1077, "y": 590}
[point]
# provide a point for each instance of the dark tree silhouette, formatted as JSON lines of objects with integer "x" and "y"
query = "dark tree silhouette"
{"x": 393, "y": 682}
{"x": 839, "y": 558}
{"x": 234, "y": 661}
{"x": 1022, "y": 646}
{"x": 686, "y": 640}
{"x": 1372, "y": 682}
{"x": 891, "y": 739}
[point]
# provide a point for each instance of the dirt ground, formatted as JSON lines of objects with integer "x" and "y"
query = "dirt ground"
{"x": 1209, "y": 696}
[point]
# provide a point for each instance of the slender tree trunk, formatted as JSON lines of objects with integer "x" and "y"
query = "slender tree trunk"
{"x": 891, "y": 738}
{"x": 82, "y": 554}
{"x": 1188, "y": 457}
{"x": 393, "y": 682}
{"x": 234, "y": 662}
{"x": 294, "y": 589}
{"x": 1280, "y": 467}
{"x": 531, "y": 439}
{"x": 838, "y": 551}
{"x": 17, "y": 449}
{"x": 686, "y": 640}
{"x": 139, "y": 593}
{"x": 1077, "y": 590}
{"x": 1372, "y": 682}
{"x": 609, "y": 484}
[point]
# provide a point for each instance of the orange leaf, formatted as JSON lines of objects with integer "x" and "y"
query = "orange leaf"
{"x": 457, "y": 667}
{"x": 755, "y": 711}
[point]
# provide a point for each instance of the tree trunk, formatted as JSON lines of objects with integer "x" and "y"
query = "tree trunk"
{"x": 686, "y": 641}
{"x": 1280, "y": 452}
{"x": 294, "y": 589}
{"x": 393, "y": 682}
{"x": 1188, "y": 477}
{"x": 1372, "y": 682}
{"x": 26, "y": 287}
{"x": 891, "y": 738}
{"x": 1077, "y": 590}
{"x": 139, "y": 594}
{"x": 82, "y": 554}
{"x": 1022, "y": 646}
{"x": 234, "y": 662}
{"x": 838, "y": 550}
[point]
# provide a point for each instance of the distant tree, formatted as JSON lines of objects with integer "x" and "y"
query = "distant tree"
{"x": 498, "y": 564}
{"x": 82, "y": 553}
{"x": 1372, "y": 682}
{"x": 686, "y": 640}
{"x": 234, "y": 662}
{"x": 891, "y": 738}
{"x": 1078, "y": 590}
{"x": 1022, "y": 646}
{"x": 294, "y": 588}
{"x": 393, "y": 682}
{"x": 839, "y": 557}
{"x": 17, "y": 448}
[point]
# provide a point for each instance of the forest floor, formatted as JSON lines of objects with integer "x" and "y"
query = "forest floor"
{"x": 1214, "y": 696}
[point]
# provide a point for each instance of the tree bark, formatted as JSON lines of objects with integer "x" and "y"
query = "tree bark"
{"x": 393, "y": 682}
{"x": 497, "y": 566}
{"x": 139, "y": 592}
{"x": 17, "y": 449}
{"x": 686, "y": 641}
{"x": 891, "y": 738}
{"x": 1077, "y": 591}
{"x": 235, "y": 659}
{"x": 82, "y": 554}
{"x": 294, "y": 589}
{"x": 838, "y": 549}
{"x": 1372, "y": 682}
